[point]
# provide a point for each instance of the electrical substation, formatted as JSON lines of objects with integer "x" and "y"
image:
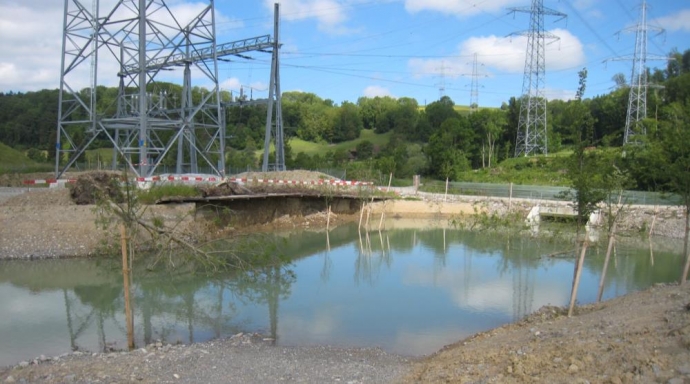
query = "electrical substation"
{"x": 141, "y": 45}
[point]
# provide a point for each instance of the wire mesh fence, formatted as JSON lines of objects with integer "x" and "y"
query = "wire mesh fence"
{"x": 537, "y": 192}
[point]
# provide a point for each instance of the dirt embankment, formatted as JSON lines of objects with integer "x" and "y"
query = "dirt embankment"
{"x": 642, "y": 337}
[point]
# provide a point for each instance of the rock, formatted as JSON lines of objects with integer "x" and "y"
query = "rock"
{"x": 24, "y": 364}
{"x": 43, "y": 358}
{"x": 676, "y": 380}
{"x": 685, "y": 370}
{"x": 176, "y": 376}
{"x": 615, "y": 380}
{"x": 159, "y": 344}
{"x": 573, "y": 368}
{"x": 69, "y": 377}
{"x": 10, "y": 379}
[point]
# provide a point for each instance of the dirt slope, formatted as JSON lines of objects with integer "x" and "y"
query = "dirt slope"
{"x": 639, "y": 338}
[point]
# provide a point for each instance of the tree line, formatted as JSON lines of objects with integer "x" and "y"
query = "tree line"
{"x": 438, "y": 140}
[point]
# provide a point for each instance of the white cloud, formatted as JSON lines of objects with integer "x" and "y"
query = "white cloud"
{"x": 375, "y": 90}
{"x": 583, "y": 4}
{"x": 458, "y": 7}
{"x": 330, "y": 14}
{"x": 558, "y": 94}
{"x": 32, "y": 41}
{"x": 478, "y": 291}
{"x": 502, "y": 54}
{"x": 30, "y": 45}
{"x": 231, "y": 84}
{"x": 679, "y": 21}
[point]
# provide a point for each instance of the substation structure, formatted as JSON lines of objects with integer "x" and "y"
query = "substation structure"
{"x": 143, "y": 44}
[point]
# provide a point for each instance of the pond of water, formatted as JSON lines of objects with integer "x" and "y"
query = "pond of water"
{"x": 410, "y": 290}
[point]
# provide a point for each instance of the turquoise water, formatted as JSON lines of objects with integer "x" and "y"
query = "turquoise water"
{"x": 409, "y": 290}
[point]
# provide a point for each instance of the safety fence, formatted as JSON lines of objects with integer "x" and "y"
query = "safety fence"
{"x": 537, "y": 192}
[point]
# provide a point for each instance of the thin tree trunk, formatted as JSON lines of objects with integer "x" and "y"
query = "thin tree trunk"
{"x": 576, "y": 282}
{"x": 612, "y": 239}
{"x": 606, "y": 262}
{"x": 684, "y": 278}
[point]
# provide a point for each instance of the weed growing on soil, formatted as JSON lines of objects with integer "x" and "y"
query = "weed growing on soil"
{"x": 158, "y": 192}
{"x": 481, "y": 219}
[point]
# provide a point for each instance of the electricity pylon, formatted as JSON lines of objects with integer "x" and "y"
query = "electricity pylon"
{"x": 639, "y": 83}
{"x": 143, "y": 41}
{"x": 531, "y": 133}
{"x": 474, "y": 86}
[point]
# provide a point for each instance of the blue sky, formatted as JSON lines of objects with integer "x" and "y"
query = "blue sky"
{"x": 345, "y": 49}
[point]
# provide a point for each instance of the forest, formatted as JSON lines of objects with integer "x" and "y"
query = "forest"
{"x": 439, "y": 140}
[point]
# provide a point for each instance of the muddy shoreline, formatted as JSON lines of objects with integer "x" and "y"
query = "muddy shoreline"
{"x": 45, "y": 223}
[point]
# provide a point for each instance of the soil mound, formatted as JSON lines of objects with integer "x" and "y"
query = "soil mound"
{"x": 223, "y": 189}
{"x": 90, "y": 187}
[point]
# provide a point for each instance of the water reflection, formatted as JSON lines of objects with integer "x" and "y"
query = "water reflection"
{"x": 411, "y": 289}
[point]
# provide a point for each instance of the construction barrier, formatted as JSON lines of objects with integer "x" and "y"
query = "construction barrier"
{"x": 213, "y": 179}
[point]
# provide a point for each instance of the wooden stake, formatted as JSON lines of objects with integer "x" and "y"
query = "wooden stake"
{"x": 328, "y": 218}
{"x": 390, "y": 179}
{"x": 383, "y": 213}
{"x": 125, "y": 275}
{"x": 576, "y": 282}
{"x": 651, "y": 227}
{"x": 446, "y": 194}
{"x": 606, "y": 263}
{"x": 361, "y": 214}
{"x": 510, "y": 198}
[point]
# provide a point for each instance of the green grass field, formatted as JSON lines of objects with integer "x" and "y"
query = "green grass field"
{"x": 321, "y": 148}
{"x": 10, "y": 157}
{"x": 105, "y": 155}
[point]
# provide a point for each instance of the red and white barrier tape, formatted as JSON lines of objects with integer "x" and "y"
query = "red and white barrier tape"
{"x": 246, "y": 180}
{"x": 217, "y": 179}
{"x": 49, "y": 181}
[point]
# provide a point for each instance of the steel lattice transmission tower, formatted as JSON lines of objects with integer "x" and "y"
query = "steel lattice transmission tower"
{"x": 141, "y": 42}
{"x": 639, "y": 83}
{"x": 474, "y": 86}
{"x": 531, "y": 133}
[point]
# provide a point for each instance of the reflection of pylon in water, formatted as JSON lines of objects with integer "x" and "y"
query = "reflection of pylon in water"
{"x": 77, "y": 324}
{"x": 523, "y": 290}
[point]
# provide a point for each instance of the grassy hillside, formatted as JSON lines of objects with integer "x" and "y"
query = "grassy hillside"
{"x": 14, "y": 160}
{"x": 321, "y": 148}
{"x": 537, "y": 170}
{"x": 104, "y": 154}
